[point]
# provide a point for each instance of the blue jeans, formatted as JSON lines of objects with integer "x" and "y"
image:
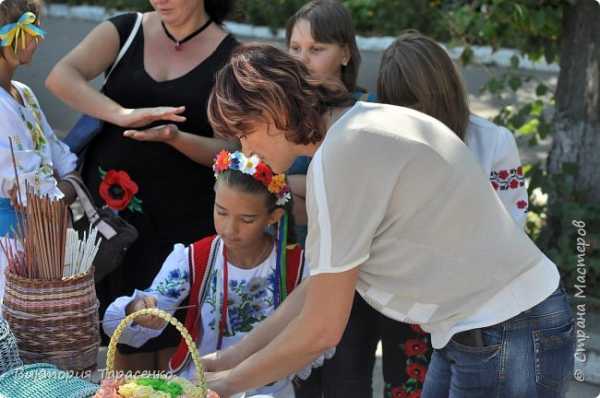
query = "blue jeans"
{"x": 529, "y": 356}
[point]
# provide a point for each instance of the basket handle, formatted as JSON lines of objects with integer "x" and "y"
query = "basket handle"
{"x": 112, "y": 346}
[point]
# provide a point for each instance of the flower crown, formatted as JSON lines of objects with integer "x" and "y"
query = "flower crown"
{"x": 253, "y": 166}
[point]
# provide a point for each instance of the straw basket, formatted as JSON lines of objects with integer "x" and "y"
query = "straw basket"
{"x": 54, "y": 321}
{"x": 112, "y": 387}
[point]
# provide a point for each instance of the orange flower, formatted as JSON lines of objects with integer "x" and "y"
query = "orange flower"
{"x": 277, "y": 183}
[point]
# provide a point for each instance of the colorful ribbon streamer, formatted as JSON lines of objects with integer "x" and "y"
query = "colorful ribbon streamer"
{"x": 13, "y": 32}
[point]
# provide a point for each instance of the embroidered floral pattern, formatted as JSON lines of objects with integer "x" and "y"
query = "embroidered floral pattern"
{"x": 38, "y": 138}
{"x": 417, "y": 353}
{"x": 118, "y": 191}
{"x": 503, "y": 180}
{"x": 249, "y": 302}
{"x": 522, "y": 204}
{"x": 174, "y": 284}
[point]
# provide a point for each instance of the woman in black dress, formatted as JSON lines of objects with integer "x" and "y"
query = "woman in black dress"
{"x": 165, "y": 76}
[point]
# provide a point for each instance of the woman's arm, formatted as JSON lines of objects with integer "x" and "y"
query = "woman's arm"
{"x": 318, "y": 326}
{"x": 69, "y": 81}
{"x": 261, "y": 334}
{"x": 198, "y": 148}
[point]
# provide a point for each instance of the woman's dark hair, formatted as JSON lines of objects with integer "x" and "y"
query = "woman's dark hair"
{"x": 218, "y": 10}
{"x": 11, "y": 10}
{"x": 330, "y": 22}
{"x": 418, "y": 73}
{"x": 264, "y": 83}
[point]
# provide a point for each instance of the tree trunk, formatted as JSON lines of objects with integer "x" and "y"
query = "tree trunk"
{"x": 577, "y": 119}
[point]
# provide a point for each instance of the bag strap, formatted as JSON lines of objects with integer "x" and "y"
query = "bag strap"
{"x": 91, "y": 212}
{"x": 132, "y": 34}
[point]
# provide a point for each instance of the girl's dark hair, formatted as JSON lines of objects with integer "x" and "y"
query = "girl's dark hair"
{"x": 11, "y": 10}
{"x": 218, "y": 10}
{"x": 418, "y": 73}
{"x": 330, "y": 22}
{"x": 247, "y": 184}
{"x": 264, "y": 83}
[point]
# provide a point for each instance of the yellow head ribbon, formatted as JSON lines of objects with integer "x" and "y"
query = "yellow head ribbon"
{"x": 13, "y": 32}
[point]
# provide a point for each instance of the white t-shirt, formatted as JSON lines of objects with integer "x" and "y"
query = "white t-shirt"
{"x": 398, "y": 194}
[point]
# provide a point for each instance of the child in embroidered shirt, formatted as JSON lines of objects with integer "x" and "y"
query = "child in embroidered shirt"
{"x": 42, "y": 160}
{"x": 248, "y": 271}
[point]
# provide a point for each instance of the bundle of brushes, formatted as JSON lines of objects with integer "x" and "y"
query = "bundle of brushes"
{"x": 80, "y": 253}
{"x": 43, "y": 245}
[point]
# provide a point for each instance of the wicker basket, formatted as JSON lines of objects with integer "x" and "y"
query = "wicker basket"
{"x": 9, "y": 353}
{"x": 192, "y": 391}
{"x": 54, "y": 321}
{"x": 44, "y": 380}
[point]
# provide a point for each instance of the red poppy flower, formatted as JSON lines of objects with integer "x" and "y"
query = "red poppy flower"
{"x": 117, "y": 189}
{"x": 495, "y": 185}
{"x": 503, "y": 174}
{"x": 514, "y": 184}
{"x": 522, "y": 204}
{"x": 415, "y": 394}
{"x": 417, "y": 371}
{"x": 417, "y": 329}
{"x": 414, "y": 347}
{"x": 263, "y": 174}
{"x": 399, "y": 392}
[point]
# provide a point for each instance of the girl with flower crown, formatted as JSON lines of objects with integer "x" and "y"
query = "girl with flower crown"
{"x": 232, "y": 280}
{"x": 41, "y": 159}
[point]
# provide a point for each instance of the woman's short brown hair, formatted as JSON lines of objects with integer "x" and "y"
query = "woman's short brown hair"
{"x": 11, "y": 10}
{"x": 418, "y": 73}
{"x": 263, "y": 83}
{"x": 330, "y": 22}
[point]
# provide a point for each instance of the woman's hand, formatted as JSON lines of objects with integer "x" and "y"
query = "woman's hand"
{"x": 147, "y": 321}
{"x": 165, "y": 133}
{"x": 217, "y": 382}
{"x": 144, "y": 116}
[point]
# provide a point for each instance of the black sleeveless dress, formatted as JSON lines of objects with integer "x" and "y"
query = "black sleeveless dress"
{"x": 176, "y": 193}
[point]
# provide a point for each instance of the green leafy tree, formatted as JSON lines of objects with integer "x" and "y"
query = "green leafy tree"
{"x": 567, "y": 32}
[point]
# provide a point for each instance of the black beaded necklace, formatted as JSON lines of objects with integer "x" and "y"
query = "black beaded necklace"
{"x": 179, "y": 43}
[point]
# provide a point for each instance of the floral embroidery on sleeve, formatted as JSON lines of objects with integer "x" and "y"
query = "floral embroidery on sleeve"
{"x": 503, "y": 180}
{"x": 174, "y": 285}
{"x": 522, "y": 205}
